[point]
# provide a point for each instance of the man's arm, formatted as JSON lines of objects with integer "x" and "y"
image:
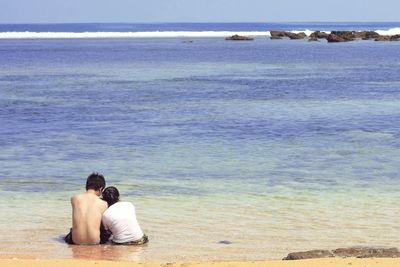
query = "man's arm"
{"x": 105, "y": 233}
{"x": 72, "y": 200}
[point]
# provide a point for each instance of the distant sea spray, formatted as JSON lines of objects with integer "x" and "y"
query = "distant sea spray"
{"x": 152, "y": 34}
{"x": 155, "y": 34}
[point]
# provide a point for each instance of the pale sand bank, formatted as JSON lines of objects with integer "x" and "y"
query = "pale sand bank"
{"x": 333, "y": 262}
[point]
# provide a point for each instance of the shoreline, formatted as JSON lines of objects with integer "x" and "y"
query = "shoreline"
{"x": 327, "y": 262}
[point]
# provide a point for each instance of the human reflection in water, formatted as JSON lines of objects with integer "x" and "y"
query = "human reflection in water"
{"x": 108, "y": 252}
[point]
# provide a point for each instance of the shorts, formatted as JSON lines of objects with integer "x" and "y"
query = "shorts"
{"x": 104, "y": 236}
{"x": 142, "y": 241}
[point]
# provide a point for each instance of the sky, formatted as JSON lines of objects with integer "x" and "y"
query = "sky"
{"x": 81, "y": 11}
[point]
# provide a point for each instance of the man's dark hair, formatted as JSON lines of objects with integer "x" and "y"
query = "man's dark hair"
{"x": 110, "y": 195}
{"x": 95, "y": 181}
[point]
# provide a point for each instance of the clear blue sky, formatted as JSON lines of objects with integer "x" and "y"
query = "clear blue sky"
{"x": 66, "y": 11}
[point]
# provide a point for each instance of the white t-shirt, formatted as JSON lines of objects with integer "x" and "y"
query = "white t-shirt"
{"x": 120, "y": 219}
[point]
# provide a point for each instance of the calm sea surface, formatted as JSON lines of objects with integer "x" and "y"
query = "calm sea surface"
{"x": 274, "y": 146}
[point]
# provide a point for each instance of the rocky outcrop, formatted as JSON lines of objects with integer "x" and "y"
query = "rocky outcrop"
{"x": 355, "y": 252}
{"x": 291, "y": 35}
{"x": 296, "y": 36}
{"x": 341, "y": 36}
{"x": 395, "y": 37}
{"x": 366, "y": 252}
{"x": 239, "y": 38}
{"x": 277, "y": 34}
{"x": 382, "y": 38}
{"x": 367, "y": 35}
{"x": 319, "y": 35}
{"x": 315, "y": 36}
{"x": 311, "y": 254}
{"x": 335, "y": 36}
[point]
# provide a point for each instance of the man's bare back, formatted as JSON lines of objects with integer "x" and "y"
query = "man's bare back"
{"x": 87, "y": 209}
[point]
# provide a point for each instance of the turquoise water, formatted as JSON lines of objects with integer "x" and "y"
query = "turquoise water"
{"x": 275, "y": 146}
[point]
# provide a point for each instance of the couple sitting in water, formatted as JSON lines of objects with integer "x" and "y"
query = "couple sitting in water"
{"x": 95, "y": 219}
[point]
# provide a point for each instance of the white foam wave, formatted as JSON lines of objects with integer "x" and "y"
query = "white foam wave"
{"x": 392, "y": 31}
{"x": 307, "y": 32}
{"x": 154, "y": 34}
{"x": 101, "y": 35}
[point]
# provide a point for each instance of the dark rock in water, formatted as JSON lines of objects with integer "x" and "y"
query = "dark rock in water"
{"x": 346, "y": 36}
{"x": 367, "y": 35}
{"x": 319, "y": 35}
{"x": 225, "y": 242}
{"x": 239, "y": 38}
{"x": 359, "y": 35}
{"x": 333, "y": 38}
{"x": 336, "y": 36}
{"x": 367, "y": 252}
{"x": 395, "y": 37}
{"x": 341, "y": 36}
{"x": 312, "y": 254}
{"x": 275, "y": 34}
{"x": 371, "y": 35}
{"x": 381, "y": 38}
{"x": 296, "y": 36}
{"x": 280, "y": 34}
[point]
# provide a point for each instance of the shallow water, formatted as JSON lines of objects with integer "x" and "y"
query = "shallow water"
{"x": 274, "y": 146}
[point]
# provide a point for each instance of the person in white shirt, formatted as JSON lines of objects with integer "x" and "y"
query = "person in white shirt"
{"x": 120, "y": 220}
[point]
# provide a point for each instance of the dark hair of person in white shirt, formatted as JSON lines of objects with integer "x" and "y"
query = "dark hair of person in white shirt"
{"x": 110, "y": 195}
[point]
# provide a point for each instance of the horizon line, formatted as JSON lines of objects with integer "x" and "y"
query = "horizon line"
{"x": 198, "y": 22}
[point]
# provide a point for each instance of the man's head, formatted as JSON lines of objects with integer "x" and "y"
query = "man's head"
{"x": 96, "y": 182}
{"x": 110, "y": 195}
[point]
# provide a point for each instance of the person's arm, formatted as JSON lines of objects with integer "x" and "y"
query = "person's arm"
{"x": 105, "y": 233}
{"x": 72, "y": 210}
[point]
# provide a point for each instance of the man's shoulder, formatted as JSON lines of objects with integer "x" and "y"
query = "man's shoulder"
{"x": 76, "y": 198}
{"x": 102, "y": 204}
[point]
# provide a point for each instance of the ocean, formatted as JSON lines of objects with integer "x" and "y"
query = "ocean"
{"x": 228, "y": 150}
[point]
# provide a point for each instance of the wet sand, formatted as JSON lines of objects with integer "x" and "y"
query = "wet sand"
{"x": 336, "y": 262}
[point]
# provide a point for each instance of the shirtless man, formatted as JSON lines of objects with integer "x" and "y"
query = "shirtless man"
{"x": 87, "y": 210}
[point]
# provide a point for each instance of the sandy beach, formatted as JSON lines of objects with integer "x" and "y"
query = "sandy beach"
{"x": 336, "y": 262}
